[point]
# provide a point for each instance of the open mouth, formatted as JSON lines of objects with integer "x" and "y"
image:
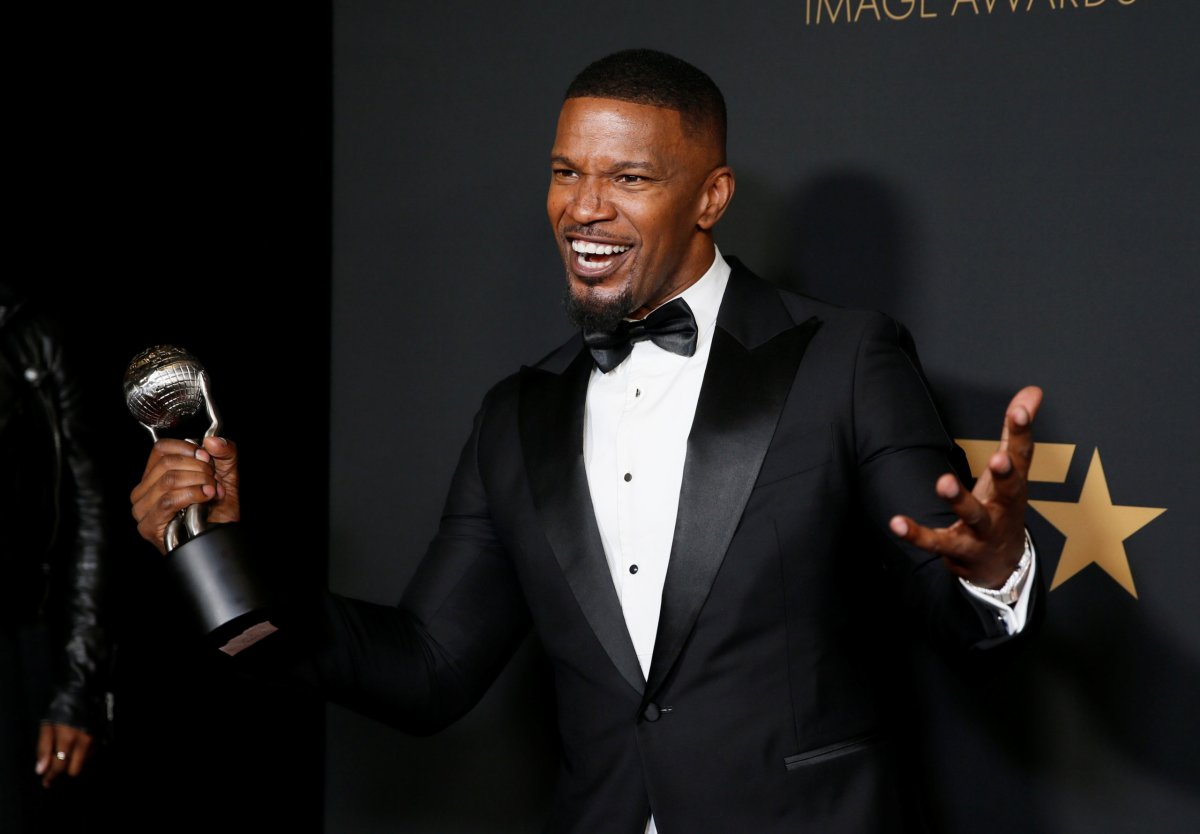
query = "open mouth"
{"x": 596, "y": 260}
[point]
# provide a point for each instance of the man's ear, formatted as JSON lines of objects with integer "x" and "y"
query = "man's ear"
{"x": 718, "y": 192}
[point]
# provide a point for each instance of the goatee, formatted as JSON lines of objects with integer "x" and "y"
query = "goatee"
{"x": 591, "y": 313}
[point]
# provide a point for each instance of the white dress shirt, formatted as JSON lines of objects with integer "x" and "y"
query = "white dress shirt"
{"x": 636, "y": 424}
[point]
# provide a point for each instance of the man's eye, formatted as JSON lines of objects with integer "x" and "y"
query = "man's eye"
{"x": 630, "y": 179}
{"x": 564, "y": 174}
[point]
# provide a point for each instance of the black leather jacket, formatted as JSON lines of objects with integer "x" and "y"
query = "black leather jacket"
{"x": 52, "y": 524}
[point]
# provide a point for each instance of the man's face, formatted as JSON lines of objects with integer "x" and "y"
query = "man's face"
{"x": 631, "y": 198}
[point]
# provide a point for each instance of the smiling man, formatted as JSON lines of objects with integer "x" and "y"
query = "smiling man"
{"x": 636, "y": 188}
{"x": 711, "y": 508}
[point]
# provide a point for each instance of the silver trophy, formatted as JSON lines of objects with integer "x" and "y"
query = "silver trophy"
{"x": 167, "y": 388}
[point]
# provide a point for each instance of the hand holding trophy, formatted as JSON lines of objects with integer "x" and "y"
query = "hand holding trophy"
{"x": 166, "y": 388}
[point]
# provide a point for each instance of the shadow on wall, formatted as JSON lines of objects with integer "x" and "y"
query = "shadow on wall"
{"x": 840, "y": 237}
{"x": 1081, "y": 729}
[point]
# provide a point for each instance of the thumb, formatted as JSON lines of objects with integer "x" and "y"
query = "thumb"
{"x": 224, "y": 454}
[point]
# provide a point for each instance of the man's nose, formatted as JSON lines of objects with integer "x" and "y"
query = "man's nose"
{"x": 591, "y": 203}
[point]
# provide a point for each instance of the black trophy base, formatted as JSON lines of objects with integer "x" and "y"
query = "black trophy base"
{"x": 226, "y": 598}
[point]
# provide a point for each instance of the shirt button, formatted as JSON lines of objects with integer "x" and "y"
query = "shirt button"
{"x": 633, "y": 568}
{"x": 628, "y": 477}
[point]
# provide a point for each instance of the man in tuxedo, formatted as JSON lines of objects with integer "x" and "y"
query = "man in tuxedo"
{"x": 712, "y": 509}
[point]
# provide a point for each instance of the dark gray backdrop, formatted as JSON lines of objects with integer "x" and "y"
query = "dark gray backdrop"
{"x": 1020, "y": 187}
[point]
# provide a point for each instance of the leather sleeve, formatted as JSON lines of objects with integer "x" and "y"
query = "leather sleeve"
{"x": 81, "y": 662}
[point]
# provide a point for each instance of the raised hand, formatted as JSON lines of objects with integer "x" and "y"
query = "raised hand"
{"x": 986, "y": 542}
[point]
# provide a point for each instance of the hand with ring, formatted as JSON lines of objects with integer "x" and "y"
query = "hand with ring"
{"x": 61, "y": 749}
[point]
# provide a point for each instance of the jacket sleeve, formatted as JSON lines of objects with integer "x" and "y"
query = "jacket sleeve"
{"x": 424, "y": 663}
{"x": 81, "y": 662}
{"x": 902, "y": 448}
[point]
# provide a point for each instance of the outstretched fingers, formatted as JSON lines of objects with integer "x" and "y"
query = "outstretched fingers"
{"x": 966, "y": 506}
{"x": 1008, "y": 468}
{"x": 974, "y": 521}
{"x": 948, "y": 543}
{"x": 985, "y": 543}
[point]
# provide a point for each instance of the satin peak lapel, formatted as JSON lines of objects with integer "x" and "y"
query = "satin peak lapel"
{"x": 551, "y": 421}
{"x": 740, "y": 402}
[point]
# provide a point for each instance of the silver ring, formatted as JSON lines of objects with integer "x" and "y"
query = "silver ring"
{"x": 61, "y": 756}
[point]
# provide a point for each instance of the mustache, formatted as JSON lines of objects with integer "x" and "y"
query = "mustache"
{"x": 591, "y": 231}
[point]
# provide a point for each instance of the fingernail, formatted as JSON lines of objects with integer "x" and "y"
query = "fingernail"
{"x": 951, "y": 491}
{"x": 220, "y": 491}
{"x": 1021, "y": 417}
{"x": 899, "y": 527}
{"x": 209, "y": 490}
{"x": 203, "y": 455}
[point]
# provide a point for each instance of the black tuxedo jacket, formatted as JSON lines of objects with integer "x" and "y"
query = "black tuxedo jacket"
{"x": 763, "y": 711}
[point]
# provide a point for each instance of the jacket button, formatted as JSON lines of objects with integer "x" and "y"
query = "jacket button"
{"x": 650, "y": 713}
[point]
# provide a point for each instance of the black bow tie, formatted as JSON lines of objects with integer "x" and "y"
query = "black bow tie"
{"x": 672, "y": 327}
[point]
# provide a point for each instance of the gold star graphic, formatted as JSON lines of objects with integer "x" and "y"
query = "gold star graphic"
{"x": 1095, "y": 529}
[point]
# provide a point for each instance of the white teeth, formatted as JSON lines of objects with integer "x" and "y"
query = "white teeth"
{"x": 586, "y": 247}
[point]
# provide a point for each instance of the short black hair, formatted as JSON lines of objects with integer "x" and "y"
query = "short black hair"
{"x": 646, "y": 76}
